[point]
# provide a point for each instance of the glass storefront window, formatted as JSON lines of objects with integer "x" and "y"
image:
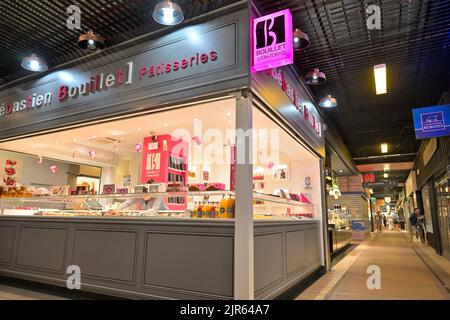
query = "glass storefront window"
{"x": 286, "y": 175}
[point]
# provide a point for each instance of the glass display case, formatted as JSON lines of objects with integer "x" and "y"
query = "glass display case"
{"x": 339, "y": 227}
{"x": 200, "y": 205}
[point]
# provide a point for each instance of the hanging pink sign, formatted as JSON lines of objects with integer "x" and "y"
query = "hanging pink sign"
{"x": 272, "y": 42}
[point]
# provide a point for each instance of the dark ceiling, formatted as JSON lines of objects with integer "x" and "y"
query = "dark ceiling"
{"x": 36, "y": 26}
{"x": 414, "y": 42}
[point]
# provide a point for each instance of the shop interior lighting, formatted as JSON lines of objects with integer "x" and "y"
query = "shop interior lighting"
{"x": 34, "y": 63}
{"x": 384, "y": 148}
{"x": 328, "y": 102}
{"x": 91, "y": 42}
{"x": 168, "y": 13}
{"x": 301, "y": 40}
{"x": 380, "y": 78}
{"x": 386, "y": 175}
{"x": 315, "y": 77}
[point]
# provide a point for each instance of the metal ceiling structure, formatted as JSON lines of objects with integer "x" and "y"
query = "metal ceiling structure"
{"x": 414, "y": 42}
{"x": 36, "y": 26}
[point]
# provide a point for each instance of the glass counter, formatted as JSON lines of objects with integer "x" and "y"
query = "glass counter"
{"x": 200, "y": 205}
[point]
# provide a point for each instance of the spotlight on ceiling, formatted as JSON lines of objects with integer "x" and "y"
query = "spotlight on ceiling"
{"x": 328, "y": 102}
{"x": 315, "y": 77}
{"x": 301, "y": 40}
{"x": 168, "y": 13}
{"x": 91, "y": 42}
{"x": 34, "y": 63}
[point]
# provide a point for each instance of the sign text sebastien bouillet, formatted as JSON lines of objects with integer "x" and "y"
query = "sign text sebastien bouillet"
{"x": 100, "y": 82}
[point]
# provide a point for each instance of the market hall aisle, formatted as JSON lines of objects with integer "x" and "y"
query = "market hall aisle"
{"x": 408, "y": 271}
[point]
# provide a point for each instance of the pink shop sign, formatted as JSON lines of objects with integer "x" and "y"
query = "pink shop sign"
{"x": 272, "y": 44}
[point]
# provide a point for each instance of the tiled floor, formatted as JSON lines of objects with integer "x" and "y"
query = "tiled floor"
{"x": 405, "y": 272}
{"x": 10, "y": 292}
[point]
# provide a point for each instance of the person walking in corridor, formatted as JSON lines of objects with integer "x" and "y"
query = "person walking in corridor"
{"x": 420, "y": 225}
{"x": 395, "y": 218}
{"x": 413, "y": 223}
{"x": 379, "y": 221}
{"x": 390, "y": 222}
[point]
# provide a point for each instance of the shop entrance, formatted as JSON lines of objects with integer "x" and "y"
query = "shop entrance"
{"x": 443, "y": 207}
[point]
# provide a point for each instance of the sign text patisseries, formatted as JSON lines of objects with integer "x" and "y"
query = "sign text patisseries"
{"x": 102, "y": 81}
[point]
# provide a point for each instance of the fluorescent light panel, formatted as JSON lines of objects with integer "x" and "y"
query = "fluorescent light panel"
{"x": 380, "y": 78}
{"x": 384, "y": 148}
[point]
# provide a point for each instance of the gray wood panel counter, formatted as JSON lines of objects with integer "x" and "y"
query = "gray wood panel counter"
{"x": 156, "y": 258}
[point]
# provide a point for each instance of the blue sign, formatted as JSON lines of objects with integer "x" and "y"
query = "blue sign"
{"x": 358, "y": 225}
{"x": 432, "y": 122}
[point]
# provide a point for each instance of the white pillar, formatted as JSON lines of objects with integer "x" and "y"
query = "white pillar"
{"x": 243, "y": 234}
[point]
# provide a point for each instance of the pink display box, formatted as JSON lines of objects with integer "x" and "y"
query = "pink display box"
{"x": 202, "y": 187}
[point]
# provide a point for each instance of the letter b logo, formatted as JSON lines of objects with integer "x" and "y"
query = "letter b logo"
{"x": 270, "y": 32}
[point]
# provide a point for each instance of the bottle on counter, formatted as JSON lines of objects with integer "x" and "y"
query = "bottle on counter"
{"x": 222, "y": 214}
{"x": 214, "y": 212}
{"x": 230, "y": 207}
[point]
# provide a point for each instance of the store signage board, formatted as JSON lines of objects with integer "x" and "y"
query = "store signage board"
{"x": 272, "y": 44}
{"x": 145, "y": 75}
{"x": 390, "y": 183}
{"x": 431, "y": 122}
{"x": 282, "y": 89}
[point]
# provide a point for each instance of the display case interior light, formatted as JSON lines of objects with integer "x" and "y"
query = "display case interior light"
{"x": 259, "y": 170}
{"x": 380, "y": 78}
{"x": 384, "y": 148}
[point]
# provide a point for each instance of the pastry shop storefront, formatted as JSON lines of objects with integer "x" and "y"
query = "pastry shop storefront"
{"x": 163, "y": 169}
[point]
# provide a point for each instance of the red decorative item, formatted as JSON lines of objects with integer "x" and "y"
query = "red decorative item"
{"x": 369, "y": 178}
{"x": 10, "y": 170}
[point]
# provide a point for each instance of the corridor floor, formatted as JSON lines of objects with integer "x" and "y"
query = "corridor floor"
{"x": 409, "y": 270}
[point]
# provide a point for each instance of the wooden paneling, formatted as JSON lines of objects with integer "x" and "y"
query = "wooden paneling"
{"x": 268, "y": 260}
{"x": 198, "y": 263}
{"x": 109, "y": 255}
{"x": 42, "y": 248}
{"x": 6, "y": 243}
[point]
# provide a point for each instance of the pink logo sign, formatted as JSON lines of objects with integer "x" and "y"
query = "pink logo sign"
{"x": 272, "y": 41}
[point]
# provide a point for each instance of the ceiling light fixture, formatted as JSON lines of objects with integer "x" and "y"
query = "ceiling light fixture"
{"x": 34, "y": 63}
{"x": 91, "y": 42}
{"x": 328, "y": 102}
{"x": 168, "y": 13}
{"x": 315, "y": 77}
{"x": 384, "y": 148}
{"x": 380, "y": 78}
{"x": 301, "y": 40}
